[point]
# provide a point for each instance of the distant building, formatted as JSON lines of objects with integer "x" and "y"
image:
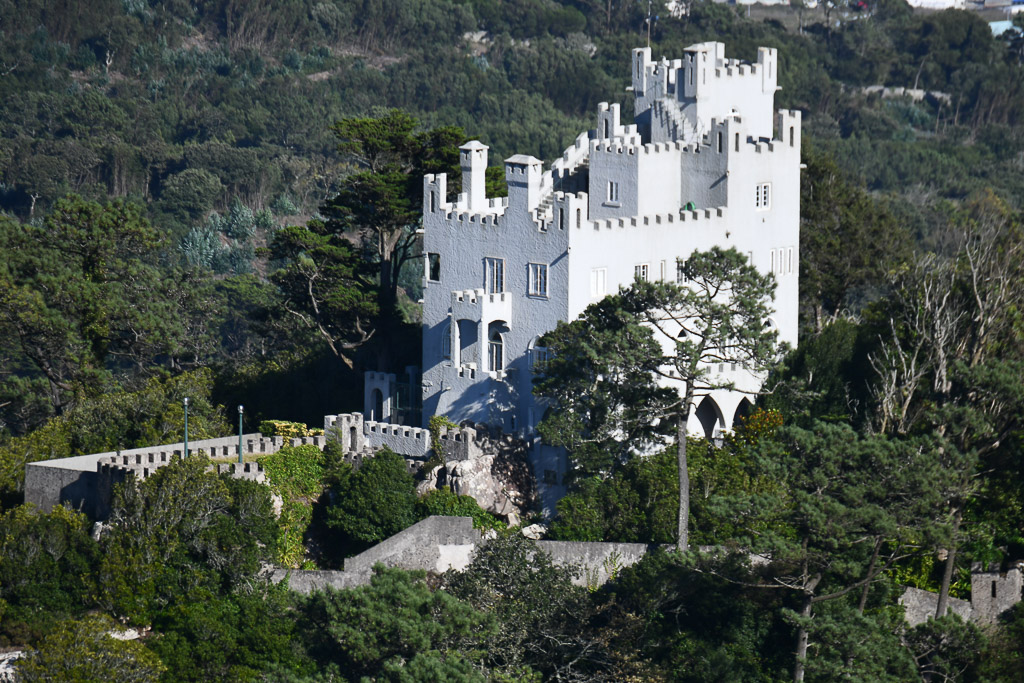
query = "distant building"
{"x": 708, "y": 162}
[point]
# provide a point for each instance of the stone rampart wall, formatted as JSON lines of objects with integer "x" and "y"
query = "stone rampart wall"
{"x": 992, "y": 593}
{"x": 85, "y": 482}
{"x": 920, "y": 606}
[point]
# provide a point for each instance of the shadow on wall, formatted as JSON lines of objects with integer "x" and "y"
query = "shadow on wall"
{"x": 300, "y": 391}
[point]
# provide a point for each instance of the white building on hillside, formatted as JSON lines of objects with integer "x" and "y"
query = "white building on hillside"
{"x": 708, "y": 162}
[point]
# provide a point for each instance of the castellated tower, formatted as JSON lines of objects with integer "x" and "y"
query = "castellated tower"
{"x": 707, "y": 162}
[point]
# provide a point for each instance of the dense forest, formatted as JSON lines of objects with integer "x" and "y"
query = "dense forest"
{"x": 218, "y": 199}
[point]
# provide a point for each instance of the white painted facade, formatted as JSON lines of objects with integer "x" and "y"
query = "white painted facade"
{"x": 708, "y": 162}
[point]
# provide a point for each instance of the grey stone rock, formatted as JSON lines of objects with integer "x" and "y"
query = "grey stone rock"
{"x": 534, "y": 531}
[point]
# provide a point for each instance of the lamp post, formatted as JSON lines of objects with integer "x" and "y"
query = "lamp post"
{"x": 240, "y": 411}
{"x": 185, "y": 451}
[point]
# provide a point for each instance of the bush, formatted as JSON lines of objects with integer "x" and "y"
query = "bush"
{"x": 290, "y": 430}
{"x": 375, "y": 502}
{"x": 445, "y": 502}
{"x": 296, "y": 474}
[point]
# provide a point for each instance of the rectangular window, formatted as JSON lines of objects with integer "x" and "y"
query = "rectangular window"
{"x": 613, "y": 191}
{"x": 789, "y": 260}
{"x": 538, "y": 280}
{"x": 598, "y": 283}
{"x": 434, "y": 267}
{"x": 641, "y": 272}
{"x": 763, "y": 196}
{"x": 682, "y": 272}
{"x": 494, "y": 275}
{"x": 539, "y": 359}
{"x": 664, "y": 271}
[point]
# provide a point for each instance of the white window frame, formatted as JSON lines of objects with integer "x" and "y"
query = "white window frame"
{"x": 539, "y": 359}
{"x": 642, "y": 271}
{"x": 681, "y": 272}
{"x": 598, "y": 283}
{"x": 494, "y": 275}
{"x": 613, "y": 192}
{"x": 496, "y": 351}
{"x": 763, "y": 197}
{"x": 538, "y": 280}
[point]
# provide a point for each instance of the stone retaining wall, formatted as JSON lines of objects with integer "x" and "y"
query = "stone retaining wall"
{"x": 438, "y": 543}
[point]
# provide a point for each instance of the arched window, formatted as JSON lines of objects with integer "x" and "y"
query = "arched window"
{"x": 446, "y": 342}
{"x": 538, "y": 357}
{"x": 495, "y": 351}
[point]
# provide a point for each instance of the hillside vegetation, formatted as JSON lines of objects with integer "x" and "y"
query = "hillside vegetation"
{"x": 219, "y": 200}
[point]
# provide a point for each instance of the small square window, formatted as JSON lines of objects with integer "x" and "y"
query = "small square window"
{"x": 538, "y": 280}
{"x": 641, "y": 272}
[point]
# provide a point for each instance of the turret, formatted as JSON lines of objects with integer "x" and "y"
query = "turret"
{"x": 608, "y": 121}
{"x": 523, "y": 174}
{"x": 641, "y": 58}
{"x": 473, "y": 159}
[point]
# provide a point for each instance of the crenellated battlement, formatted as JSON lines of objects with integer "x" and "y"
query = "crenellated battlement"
{"x": 676, "y": 99}
{"x": 708, "y": 216}
{"x": 463, "y": 219}
{"x": 141, "y": 466}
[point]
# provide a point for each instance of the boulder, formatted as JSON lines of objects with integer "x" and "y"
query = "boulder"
{"x": 534, "y": 532}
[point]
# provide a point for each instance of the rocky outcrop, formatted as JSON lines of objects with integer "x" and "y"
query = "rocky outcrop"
{"x": 497, "y": 476}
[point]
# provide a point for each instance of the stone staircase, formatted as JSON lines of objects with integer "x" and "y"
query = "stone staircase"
{"x": 576, "y": 180}
{"x": 672, "y": 120}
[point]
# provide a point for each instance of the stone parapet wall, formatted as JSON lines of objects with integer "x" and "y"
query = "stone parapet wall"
{"x": 360, "y": 436}
{"x": 920, "y": 605}
{"x": 598, "y": 562}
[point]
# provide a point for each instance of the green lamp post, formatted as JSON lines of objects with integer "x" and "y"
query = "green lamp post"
{"x": 184, "y": 453}
{"x": 240, "y": 411}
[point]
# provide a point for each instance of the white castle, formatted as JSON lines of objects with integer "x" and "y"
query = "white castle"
{"x": 708, "y": 162}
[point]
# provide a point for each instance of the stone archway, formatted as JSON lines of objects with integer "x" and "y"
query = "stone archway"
{"x": 710, "y": 416}
{"x": 742, "y": 411}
